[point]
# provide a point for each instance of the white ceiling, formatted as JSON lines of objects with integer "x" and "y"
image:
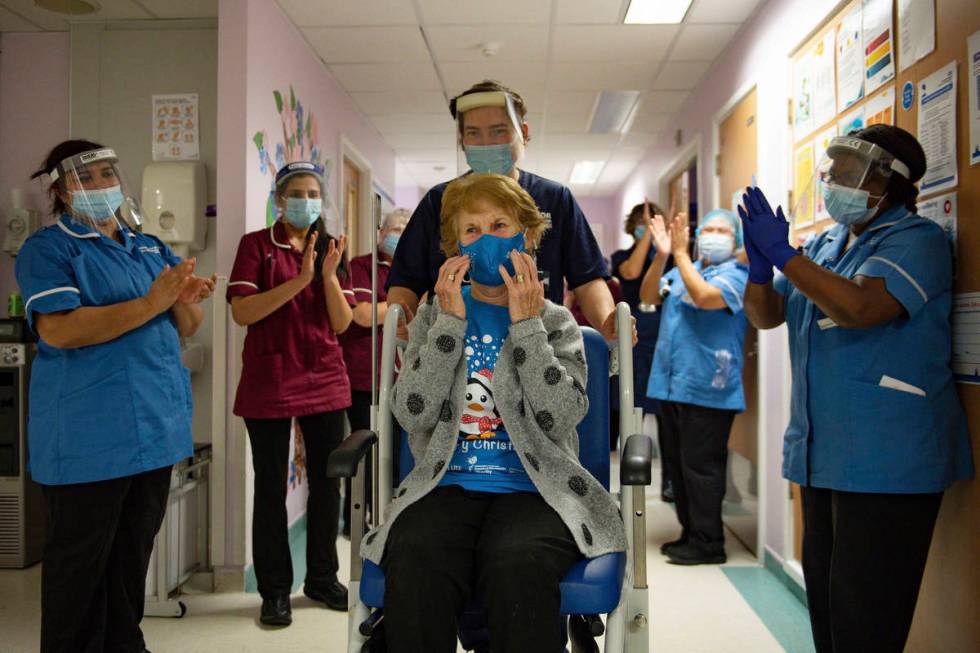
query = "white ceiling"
{"x": 401, "y": 60}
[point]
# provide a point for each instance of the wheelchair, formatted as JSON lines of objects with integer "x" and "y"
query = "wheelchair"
{"x": 613, "y": 584}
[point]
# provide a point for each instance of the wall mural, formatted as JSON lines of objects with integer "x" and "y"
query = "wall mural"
{"x": 300, "y": 142}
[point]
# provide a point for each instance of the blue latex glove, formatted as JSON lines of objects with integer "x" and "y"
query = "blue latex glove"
{"x": 767, "y": 230}
{"x": 760, "y": 268}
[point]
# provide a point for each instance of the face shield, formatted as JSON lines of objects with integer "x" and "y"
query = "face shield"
{"x": 852, "y": 172}
{"x": 301, "y": 203}
{"x": 95, "y": 190}
{"x": 489, "y": 133}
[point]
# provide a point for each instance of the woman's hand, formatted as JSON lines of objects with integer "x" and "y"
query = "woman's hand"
{"x": 335, "y": 251}
{"x": 660, "y": 235}
{"x": 680, "y": 240}
{"x": 169, "y": 286}
{"x": 449, "y": 285}
{"x": 198, "y": 289}
{"x": 306, "y": 272}
{"x": 525, "y": 292}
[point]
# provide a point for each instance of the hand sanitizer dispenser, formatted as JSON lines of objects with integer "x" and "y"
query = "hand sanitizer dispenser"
{"x": 173, "y": 198}
{"x": 21, "y": 223}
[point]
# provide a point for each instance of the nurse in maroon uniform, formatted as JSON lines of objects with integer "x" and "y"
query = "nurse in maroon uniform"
{"x": 291, "y": 288}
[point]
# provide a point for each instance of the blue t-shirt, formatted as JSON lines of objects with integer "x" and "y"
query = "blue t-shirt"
{"x": 484, "y": 459}
{"x": 568, "y": 249}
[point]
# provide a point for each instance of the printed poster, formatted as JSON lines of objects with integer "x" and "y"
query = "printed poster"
{"x": 820, "y": 145}
{"x": 916, "y": 31}
{"x": 176, "y": 135}
{"x": 803, "y": 122}
{"x": 942, "y": 210}
{"x": 853, "y": 121}
{"x": 937, "y": 128}
{"x": 803, "y": 174}
{"x": 879, "y": 55}
{"x": 880, "y": 110}
{"x": 850, "y": 61}
{"x": 973, "y": 65}
{"x": 966, "y": 337}
{"x": 824, "y": 104}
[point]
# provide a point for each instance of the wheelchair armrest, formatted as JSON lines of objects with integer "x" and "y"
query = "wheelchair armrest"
{"x": 344, "y": 460}
{"x": 634, "y": 468}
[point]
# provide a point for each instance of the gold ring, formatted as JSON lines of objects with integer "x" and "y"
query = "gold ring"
{"x": 519, "y": 278}
{"x": 452, "y": 276}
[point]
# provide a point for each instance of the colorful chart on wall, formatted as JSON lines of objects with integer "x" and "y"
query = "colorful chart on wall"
{"x": 879, "y": 54}
{"x": 880, "y": 109}
{"x": 176, "y": 135}
{"x": 300, "y": 142}
{"x": 851, "y": 122}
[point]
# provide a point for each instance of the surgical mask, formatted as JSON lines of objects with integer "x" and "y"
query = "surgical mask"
{"x": 100, "y": 205}
{"x": 389, "y": 243}
{"x": 847, "y": 206}
{"x": 639, "y": 231}
{"x": 715, "y": 248}
{"x": 487, "y": 253}
{"x": 490, "y": 158}
{"x": 302, "y": 212}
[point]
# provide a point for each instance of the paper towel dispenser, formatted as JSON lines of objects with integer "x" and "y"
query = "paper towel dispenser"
{"x": 174, "y": 198}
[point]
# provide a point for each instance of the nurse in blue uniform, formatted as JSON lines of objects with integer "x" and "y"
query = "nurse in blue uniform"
{"x": 697, "y": 372}
{"x": 876, "y": 430}
{"x": 110, "y": 401}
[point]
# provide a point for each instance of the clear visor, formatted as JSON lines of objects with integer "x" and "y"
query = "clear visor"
{"x": 848, "y": 163}
{"x": 489, "y": 131}
{"x": 96, "y": 192}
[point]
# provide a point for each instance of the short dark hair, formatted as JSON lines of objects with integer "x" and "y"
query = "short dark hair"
{"x": 490, "y": 86}
{"x": 635, "y": 217}
{"x": 903, "y": 146}
{"x": 59, "y": 153}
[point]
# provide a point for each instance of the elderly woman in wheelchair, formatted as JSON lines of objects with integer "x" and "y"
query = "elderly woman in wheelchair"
{"x": 497, "y": 507}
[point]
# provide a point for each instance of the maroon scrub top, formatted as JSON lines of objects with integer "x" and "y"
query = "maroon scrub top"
{"x": 292, "y": 364}
{"x": 357, "y": 339}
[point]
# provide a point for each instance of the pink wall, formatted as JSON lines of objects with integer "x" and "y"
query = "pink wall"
{"x": 759, "y": 55}
{"x": 33, "y": 118}
{"x": 602, "y": 214}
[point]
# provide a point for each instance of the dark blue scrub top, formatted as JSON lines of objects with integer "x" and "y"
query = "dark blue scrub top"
{"x": 568, "y": 250}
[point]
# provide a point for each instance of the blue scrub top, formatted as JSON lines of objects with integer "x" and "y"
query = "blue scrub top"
{"x": 568, "y": 249}
{"x": 113, "y": 409}
{"x": 699, "y": 353}
{"x": 875, "y": 410}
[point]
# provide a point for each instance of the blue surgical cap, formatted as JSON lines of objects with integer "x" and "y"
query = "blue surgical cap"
{"x": 727, "y": 215}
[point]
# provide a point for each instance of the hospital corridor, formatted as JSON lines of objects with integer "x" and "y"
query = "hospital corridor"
{"x": 510, "y": 326}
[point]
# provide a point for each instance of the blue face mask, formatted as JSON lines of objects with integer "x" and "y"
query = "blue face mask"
{"x": 301, "y": 212}
{"x": 715, "y": 248}
{"x": 98, "y": 205}
{"x": 490, "y": 158}
{"x": 487, "y": 253}
{"x": 847, "y": 206}
{"x": 639, "y": 231}
{"x": 389, "y": 244}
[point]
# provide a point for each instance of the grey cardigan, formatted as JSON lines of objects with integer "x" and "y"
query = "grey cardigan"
{"x": 538, "y": 388}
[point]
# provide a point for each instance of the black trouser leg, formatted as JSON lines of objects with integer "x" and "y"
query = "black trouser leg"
{"x": 428, "y": 564}
{"x": 322, "y": 433}
{"x": 359, "y": 417}
{"x": 703, "y": 456}
{"x": 818, "y": 549}
{"x": 670, "y": 454}
{"x": 880, "y": 544}
{"x": 270, "y": 534}
{"x": 98, "y": 544}
{"x": 524, "y": 551}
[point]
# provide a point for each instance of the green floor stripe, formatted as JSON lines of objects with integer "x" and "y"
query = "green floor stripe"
{"x": 780, "y": 611}
{"x": 297, "y": 551}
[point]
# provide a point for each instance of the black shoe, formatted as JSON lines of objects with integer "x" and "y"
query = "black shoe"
{"x": 333, "y": 594}
{"x": 667, "y": 493}
{"x": 276, "y": 611}
{"x": 666, "y": 547}
{"x": 689, "y": 554}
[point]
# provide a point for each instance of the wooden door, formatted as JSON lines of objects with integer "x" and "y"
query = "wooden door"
{"x": 736, "y": 169}
{"x": 351, "y": 190}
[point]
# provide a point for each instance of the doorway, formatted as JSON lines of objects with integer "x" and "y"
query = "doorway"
{"x": 735, "y": 168}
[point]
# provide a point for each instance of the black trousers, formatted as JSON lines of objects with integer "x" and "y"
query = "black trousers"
{"x": 863, "y": 559}
{"x": 322, "y": 433}
{"x": 509, "y": 551}
{"x": 695, "y": 452}
{"x": 98, "y": 546}
{"x": 359, "y": 417}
